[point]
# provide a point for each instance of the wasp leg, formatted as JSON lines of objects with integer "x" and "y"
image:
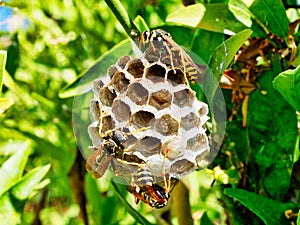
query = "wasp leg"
{"x": 132, "y": 189}
{"x": 100, "y": 121}
{"x": 167, "y": 182}
{"x": 139, "y": 130}
{"x": 171, "y": 56}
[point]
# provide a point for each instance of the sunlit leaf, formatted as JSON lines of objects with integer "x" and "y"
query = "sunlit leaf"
{"x": 205, "y": 17}
{"x": 258, "y": 204}
{"x": 10, "y": 215}
{"x": 2, "y": 67}
{"x": 20, "y": 93}
{"x": 141, "y": 24}
{"x": 24, "y": 188}
{"x": 288, "y": 84}
{"x": 12, "y": 169}
{"x": 5, "y": 103}
{"x": 240, "y": 11}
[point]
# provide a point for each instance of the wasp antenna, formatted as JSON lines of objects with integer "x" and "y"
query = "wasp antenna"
{"x": 139, "y": 130}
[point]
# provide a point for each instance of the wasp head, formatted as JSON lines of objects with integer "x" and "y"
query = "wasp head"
{"x": 154, "y": 195}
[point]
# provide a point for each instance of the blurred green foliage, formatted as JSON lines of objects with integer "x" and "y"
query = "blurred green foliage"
{"x": 256, "y": 172}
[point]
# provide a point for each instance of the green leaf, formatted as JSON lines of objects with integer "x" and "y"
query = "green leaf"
{"x": 200, "y": 46}
{"x": 269, "y": 15}
{"x": 258, "y": 205}
{"x": 3, "y": 55}
{"x": 240, "y": 137}
{"x": 12, "y": 169}
{"x": 10, "y": 214}
{"x": 95, "y": 202}
{"x": 240, "y": 11}
{"x": 25, "y": 187}
{"x": 141, "y": 23}
{"x": 288, "y": 84}
{"x": 23, "y": 96}
{"x": 204, "y": 16}
{"x": 272, "y": 127}
{"x": 5, "y": 103}
{"x": 298, "y": 219}
{"x": 272, "y": 15}
{"x": 135, "y": 214}
{"x": 222, "y": 57}
{"x": 205, "y": 220}
{"x": 225, "y": 52}
{"x": 98, "y": 69}
{"x": 52, "y": 150}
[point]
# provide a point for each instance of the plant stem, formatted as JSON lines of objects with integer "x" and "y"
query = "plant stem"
{"x": 181, "y": 204}
{"x": 120, "y": 13}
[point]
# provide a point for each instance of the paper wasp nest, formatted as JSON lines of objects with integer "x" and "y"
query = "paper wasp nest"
{"x": 158, "y": 112}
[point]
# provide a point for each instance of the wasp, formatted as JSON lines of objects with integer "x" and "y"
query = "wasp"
{"x": 112, "y": 147}
{"x": 146, "y": 190}
{"x": 143, "y": 186}
{"x": 159, "y": 45}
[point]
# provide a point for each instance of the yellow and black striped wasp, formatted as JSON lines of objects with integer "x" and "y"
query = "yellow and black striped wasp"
{"x": 158, "y": 45}
{"x": 146, "y": 190}
{"x": 143, "y": 187}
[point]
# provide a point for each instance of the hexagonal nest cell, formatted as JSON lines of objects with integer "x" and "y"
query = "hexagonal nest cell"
{"x": 160, "y": 99}
{"x": 167, "y": 125}
{"x": 142, "y": 119}
{"x": 159, "y": 114}
{"x": 137, "y": 93}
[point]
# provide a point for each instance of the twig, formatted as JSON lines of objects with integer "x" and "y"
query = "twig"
{"x": 122, "y": 16}
{"x": 181, "y": 204}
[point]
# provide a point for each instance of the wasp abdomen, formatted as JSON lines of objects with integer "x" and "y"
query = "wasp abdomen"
{"x": 143, "y": 176}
